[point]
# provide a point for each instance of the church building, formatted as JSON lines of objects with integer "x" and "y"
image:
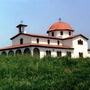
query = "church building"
{"x": 59, "y": 41}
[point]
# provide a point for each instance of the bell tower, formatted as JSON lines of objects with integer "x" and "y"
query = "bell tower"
{"x": 21, "y": 27}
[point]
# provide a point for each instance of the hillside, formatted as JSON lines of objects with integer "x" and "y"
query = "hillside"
{"x": 29, "y": 73}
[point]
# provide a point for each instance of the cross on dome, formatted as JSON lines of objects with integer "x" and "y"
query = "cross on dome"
{"x": 59, "y": 19}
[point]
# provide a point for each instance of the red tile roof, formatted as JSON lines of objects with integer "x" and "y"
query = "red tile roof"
{"x": 35, "y": 35}
{"x": 76, "y": 36}
{"x": 60, "y": 26}
{"x": 36, "y": 45}
{"x": 49, "y": 37}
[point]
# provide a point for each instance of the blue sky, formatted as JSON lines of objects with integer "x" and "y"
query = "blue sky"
{"x": 40, "y": 14}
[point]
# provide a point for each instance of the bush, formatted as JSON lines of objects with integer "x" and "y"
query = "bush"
{"x": 29, "y": 73}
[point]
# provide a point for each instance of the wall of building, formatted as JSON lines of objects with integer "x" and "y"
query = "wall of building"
{"x": 26, "y": 40}
{"x": 42, "y": 51}
{"x": 80, "y": 48}
{"x": 68, "y": 42}
{"x": 58, "y": 34}
{"x": 45, "y": 41}
{"x": 33, "y": 40}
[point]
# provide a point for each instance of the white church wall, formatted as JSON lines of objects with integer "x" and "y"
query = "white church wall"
{"x": 44, "y": 41}
{"x": 58, "y": 34}
{"x": 26, "y": 40}
{"x": 80, "y": 48}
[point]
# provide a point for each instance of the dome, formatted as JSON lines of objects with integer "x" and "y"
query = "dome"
{"x": 60, "y": 26}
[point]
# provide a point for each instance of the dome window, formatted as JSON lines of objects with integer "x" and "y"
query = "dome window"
{"x": 69, "y": 33}
{"x": 52, "y": 33}
{"x": 61, "y": 32}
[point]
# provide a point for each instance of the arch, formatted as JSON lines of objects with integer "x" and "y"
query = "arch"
{"x": 11, "y": 53}
{"x": 27, "y": 51}
{"x": 21, "y": 41}
{"x": 48, "y": 53}
{"x": 18, "y": 52}
{"x": 36, "y": 52}
{"x": 3, "y": 53}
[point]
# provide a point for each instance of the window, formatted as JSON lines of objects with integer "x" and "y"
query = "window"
{"x": 69, "y": 54}
{"x": 37, "y": 40}
{"x": 69, "y": 33}
{"x": 21, "y": 41}
{"x": 48, "y": 53}
{"x": 48, "y": 41}
{"x": 61, "y": 32}
{"x": 80, "y": 54}
{"x": 58, "y": 42}
{"x": 80, "y": 42}
{"x": 52, "y": 33}
{"x": 59, "y": 53}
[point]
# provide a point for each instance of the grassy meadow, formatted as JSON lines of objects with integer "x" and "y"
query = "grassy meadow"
{"x": 28, "y": 73}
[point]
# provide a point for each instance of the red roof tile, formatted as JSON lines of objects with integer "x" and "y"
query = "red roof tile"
{"x": 49, "y": 37}
{"x": 60, "y": 26}
{"x": 35, "y": 45}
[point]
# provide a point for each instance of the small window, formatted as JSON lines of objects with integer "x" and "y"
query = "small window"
{"x": 59, "y": 53}
{"x": 61, "y": 32}
{"x": 48, "y": 53}
{"x": 21, "y": 41}
{"x": 69, "y": 54}
{"x": 80, "y": 42}
{"x": 48, "y": 41}
{"x": 52, "y": 33}
{"x": 58, "y": 42}
{"x": 69, "y": 33}
{"x": 37, "y": 40}
{"x": 80, "y": 54}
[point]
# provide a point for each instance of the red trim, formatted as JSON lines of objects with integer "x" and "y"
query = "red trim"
{"x": 49, "y": 37}
{"x": 76, "y": 36}
{"x": 36, "y": 45}
{"x": 34, "y": 35}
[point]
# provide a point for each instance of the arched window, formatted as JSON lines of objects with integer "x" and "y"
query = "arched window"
{"x": 36, "y": 52}
{"x": 21, "y": 41}
{"x": 11, "y": 53}
{"x": 48, "y": 41}
{"x": 52, "y": 33}
{"x": 48, "y": 53}
{"x": 58, "y": 42}
{"x": 80, "y": 42}
{"x": 18, "y": 52}
{"x": 27, "y": 51}
{"x": 80, "y": 55}
{"x": 37, "y": 40}
{"x": 3, "y": 53}
{"x": 69, "y": 54}
{"x": 59, "y": 53}
{"x": 69, "y": 33}
{"x": 61, "y": 32}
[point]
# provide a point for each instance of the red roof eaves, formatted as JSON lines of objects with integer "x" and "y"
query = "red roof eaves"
{"x": 36, "y": 45}
{"x": 76, "y": 36}
{"x": 35, "y": 35}
{"x": 49, "y": 37}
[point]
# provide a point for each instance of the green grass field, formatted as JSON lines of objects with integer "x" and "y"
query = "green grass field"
{"x": 29, "y": 73}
